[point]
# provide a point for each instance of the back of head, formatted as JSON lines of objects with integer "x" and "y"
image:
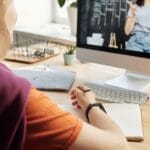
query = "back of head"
{"x": 4, "y": 33}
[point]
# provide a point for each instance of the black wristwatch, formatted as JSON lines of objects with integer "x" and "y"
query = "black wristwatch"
{"x": 90, "y": 106}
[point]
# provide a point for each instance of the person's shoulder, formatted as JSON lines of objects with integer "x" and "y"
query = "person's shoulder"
{"x": 3, "y": 66}
{"x": 9, "y": 79}
{"x": 6, "y": 76}
{"x": 4, "y": 71}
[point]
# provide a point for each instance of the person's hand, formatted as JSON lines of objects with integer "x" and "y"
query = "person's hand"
{"x": 81, "y": 97}
{"x": 133, "y": 8}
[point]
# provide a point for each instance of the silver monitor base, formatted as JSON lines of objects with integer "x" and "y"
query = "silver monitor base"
{"x": 131, "y": 80}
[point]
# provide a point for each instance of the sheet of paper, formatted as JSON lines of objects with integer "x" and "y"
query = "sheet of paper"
{"x": 127, "y": 116}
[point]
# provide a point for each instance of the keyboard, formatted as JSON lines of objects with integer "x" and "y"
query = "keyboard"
{"x": 113, "y": 94}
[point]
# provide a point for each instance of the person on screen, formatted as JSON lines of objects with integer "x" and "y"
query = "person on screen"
{"x": 138, "y": 26}
{"x": 29, "y": 120}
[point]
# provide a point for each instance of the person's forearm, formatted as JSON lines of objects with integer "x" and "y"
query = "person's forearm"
{"x": 101, "y": 120}
{"x": 129, "y": 25}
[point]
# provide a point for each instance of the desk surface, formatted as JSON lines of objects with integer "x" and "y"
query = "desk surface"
{"x": 89, "y": 71}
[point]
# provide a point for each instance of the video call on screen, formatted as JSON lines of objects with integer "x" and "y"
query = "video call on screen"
{"x": 102, "y": 23}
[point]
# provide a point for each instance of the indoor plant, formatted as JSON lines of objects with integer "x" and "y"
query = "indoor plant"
{"x": 72, "y": 13}
{"x": 69, "y": 55}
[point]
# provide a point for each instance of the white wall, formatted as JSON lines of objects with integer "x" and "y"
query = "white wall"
{"x": 34, "y": 12}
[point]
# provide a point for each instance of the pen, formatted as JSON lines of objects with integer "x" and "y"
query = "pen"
{"x": 84, "y": 90}
{"x": 87, "y": 90}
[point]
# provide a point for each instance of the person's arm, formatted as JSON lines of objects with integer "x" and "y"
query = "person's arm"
{"x": 130, "y": 21}
{"x": 103, "y": 133}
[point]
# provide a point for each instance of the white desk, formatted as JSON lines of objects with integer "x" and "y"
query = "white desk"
{"x": 90, "y": 71}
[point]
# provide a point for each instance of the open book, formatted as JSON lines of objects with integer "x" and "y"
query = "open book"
{"x": 127, "y": 116}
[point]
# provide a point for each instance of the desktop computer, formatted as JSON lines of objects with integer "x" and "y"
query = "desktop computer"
{"x": 105, "y": 36}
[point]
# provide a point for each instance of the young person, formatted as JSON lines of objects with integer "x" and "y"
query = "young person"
{"x": 138, "y": 26}
{"x": 30, "y": 120}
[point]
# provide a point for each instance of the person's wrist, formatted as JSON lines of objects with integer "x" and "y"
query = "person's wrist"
{"x": 90, "y": 107}
{"x": 87, "y": 104}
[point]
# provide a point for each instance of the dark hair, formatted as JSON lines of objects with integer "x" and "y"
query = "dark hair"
{"x": 140, "y": 2}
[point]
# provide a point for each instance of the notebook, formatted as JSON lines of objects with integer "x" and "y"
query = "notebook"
{"x": 48, "y": 77}
{"x": 127, "y": 116}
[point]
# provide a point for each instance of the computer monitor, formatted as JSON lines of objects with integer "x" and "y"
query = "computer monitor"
{"x": 101, "y": 38}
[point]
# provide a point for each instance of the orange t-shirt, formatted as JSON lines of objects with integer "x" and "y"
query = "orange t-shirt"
{"x": 49, "y": 127}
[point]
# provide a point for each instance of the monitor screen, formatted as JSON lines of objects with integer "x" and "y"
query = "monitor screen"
{"x": 114, "y": 32}
{"x": 111, "y": 25}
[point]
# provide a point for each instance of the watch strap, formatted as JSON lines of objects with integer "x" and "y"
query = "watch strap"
{"x": 90, "y": 106}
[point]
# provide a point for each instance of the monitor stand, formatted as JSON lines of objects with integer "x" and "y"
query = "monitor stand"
{"x": 131, "y": 80}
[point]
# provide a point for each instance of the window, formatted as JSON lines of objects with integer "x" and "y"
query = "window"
{"x": 39, "y": 12}
{"x": 34, "y": 12}
{"x": 37, "y": 16}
